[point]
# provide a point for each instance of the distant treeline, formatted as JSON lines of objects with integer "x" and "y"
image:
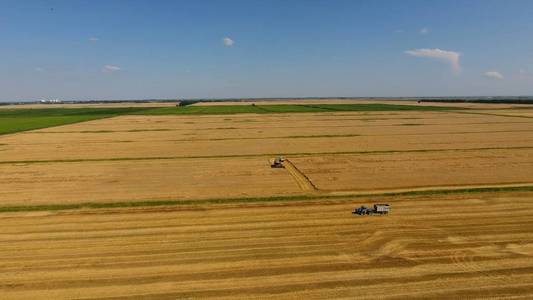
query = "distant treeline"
{"x": 187, "y": 102}
{"x": 489, "y": 101}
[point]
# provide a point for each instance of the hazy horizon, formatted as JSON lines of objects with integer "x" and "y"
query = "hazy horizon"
{"x": 272, "y": 98}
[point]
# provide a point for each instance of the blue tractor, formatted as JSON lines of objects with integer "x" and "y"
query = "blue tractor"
{"x": 379, "y": 209}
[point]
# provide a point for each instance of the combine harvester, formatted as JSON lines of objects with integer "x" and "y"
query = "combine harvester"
{"x": 379, "y": 209}
{"x": 303, "y": 181}
{"x": 278, "y": 162}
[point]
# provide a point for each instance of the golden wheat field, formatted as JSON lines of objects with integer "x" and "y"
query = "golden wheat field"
{"x": 135, "y": 158}
{"x": 452, "y": 247}
{"x": 461, "y": 222}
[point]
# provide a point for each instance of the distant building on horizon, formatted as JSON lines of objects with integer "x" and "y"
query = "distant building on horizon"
{"x": 50, "y": 101}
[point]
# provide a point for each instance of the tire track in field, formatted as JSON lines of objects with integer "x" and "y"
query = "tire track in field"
{"x": 197, "y": 254}
{"x": 301, "y": 179}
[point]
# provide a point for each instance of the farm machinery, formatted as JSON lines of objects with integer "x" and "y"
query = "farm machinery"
{"x": 278, "y": 162}
{"x": 378, "y": 209}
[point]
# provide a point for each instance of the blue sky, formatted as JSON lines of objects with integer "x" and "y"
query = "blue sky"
{"x": 261, "y": 48}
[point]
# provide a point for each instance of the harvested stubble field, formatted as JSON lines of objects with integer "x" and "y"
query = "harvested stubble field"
{"x": 453, "y": 247}
{"x": 213, "y": 220}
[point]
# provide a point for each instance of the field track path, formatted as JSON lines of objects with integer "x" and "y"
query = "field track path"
{"x": 303, "y": 181}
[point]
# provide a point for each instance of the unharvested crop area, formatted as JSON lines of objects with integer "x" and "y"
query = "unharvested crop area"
{"x": 287, "y": 108}
{"x": 172, "y": 203}
{"x": 146, "y": 157}
{"x": 16, "y": 120}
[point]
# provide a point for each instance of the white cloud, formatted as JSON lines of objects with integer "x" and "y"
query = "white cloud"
{"x": 228, "y": 42}
{"x": 39, "y": 69}
{"x": 424, "y": 30}
{"x": 93, "y": 39}
{"x": 494, "y": 75}
{"x": 450, "y": 57}
{"x": 110, "y": 68}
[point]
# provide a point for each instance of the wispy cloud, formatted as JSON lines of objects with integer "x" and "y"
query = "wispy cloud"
{"x": 424, "y": 30}
{"x": 525, "y": 74}
{"x": 228, "y": 42}
{"x": 110, "y": 68}
{"x": 494, "y": 75}
{"x": 451, "y": 57}
{"x": 93, "y": 39}
{"x": 39, "y": 69}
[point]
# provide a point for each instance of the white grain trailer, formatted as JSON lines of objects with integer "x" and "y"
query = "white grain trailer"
{"x": 379, "y": 209}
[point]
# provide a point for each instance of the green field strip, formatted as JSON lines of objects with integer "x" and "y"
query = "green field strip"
{"x": 287, "y": 108}
{"x": 18, "y": 120}
{"x": 296, "y": 154}
{"x": 294, "y": 198}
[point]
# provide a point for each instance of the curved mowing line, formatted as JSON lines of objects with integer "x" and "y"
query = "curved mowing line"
{"x": 301, "y": 179}
{"x": 93, "y": 205}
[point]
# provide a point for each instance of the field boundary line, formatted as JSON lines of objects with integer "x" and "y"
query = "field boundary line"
{"x": 427, "y": 189}
{"x": 525, "y": 187}
{"x": 291, "y": 108}
{"x": 490, "y": 114}
{"x": 258, "y": 155}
